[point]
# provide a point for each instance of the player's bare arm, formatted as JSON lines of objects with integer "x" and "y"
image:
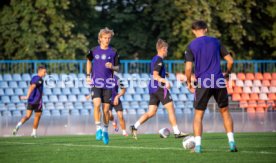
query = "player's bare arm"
{"x": 230, "y": 62}
{"x": 88, "y": 71}
{"x": 188, "y": 73}
{"x": 157, "y": 77}
{"x": 30, "y": 90}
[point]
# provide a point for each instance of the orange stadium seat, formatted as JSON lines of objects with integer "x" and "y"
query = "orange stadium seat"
{"x": 250, "y": 110}
{"x": 243, "y": 104}
{"x": 259, "y": 76}
{"x": 273, "y": 82}
{"x": 230, "y": 83}
{"x": 241, "y": 76}
{"x": 230, "y": 90}
{"x": 252, "y": 103}
{"x": 249, "y": 76}
{"x": 271, "y": 96}
{"x": 262, "y": 103}
{"x": 260, "y": 110}
{"x": 238, "y": 90}
{"x": 274, "y": 75}
{"x": 254, "y": 96}
{"x": 267, "y": 76}
{"x": 266, "y": 83}
{"x": 245, "y": 96}
{"x": 236, "y": 97}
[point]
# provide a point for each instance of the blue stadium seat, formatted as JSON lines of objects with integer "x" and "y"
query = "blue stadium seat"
{"x": 178, "y": 110}
{"x": 25, "y": 91}
{"x": 72, "y": 98}
{"x": 81, "y": 98}
{"x": 174, "y": 97}
{"x": 137, "y": 97}
{"x": 144, "y": 104}
{"x": 135, "y": 76}
{"x": 15, "y": 99}
{"x": 69, "y": 105}
{"x": 56, "y": 91}
{"x": 160, "y": 111}
{"x": 143, "y": 84}
{"x": 4, "y": 84}
{"x": 172, "y": 76}
{"x": 141, "y": 111}
{"x": 175, "y": 90}
{"x": 128, "y": 97}
{"x": 75, "y": 91}
{"x": 46, "y": 113}
{"x": 131, "y": 111}
{"x": 59, "y": 105}
{"x": 145, "y": 76}
{"x": 189, "y": 104}
{"x": 180, "y": 104}
{"x": 16, "y": 113}
{"x": 16, "y": 77}
{"x": 75, "y": 112}
{"x": 64, "y": 112}
{"x": 7, "y": 113}
{"x": 125, "y": 104}
{"x": 2, "y": 107}
{"x": 191, "y": 97}
{"x": 55, "y": 112}
{"x": 22, "y": 84}
{"x": 18, "y": 92}
{"x": 73, "y": 76}
{"x": 45, "y": 98}
{"x": 85, "y": 91}
{"x": 53, "y": 98}
{"x": 13, "y": 84}
{"x": 88, "y": 105}
{"x": 134, "y": 105}
{"x": 11, "y": 106}
{"x": 130, "y": 91}
{"x": 139, "y": 90}
{"x": 55, "y": 76}
{"x": 146, "y": 97}
{"x": 59, "y": 84}
{"x": 1, "y": 78}
{"x": 84, "y": 112}
{"x": 78, "y": 105}
{"x": 187, "y": 110}
{"x": 184, "y": 89}
{"x": 49, "y": 106}
{"x": 47, "y": 91}
{"x": 1, "y": 92}
{"x": 66, "y": 91}
{"x": 127, "y": 76}
{"x": 63, "y": 98}
{"x": 7, "y": 77}
{"x": 182, "y": 97}
{"x": 26, "y": 77}
{"x": 9, "y": 91}
{"x": 82, "y": 76}
{"x": 21, "y": 106}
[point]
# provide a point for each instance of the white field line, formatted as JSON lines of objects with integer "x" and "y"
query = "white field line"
{"x": 132, "y": 147}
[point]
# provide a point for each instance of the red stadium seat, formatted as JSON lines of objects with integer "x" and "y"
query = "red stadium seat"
{"x": 271, "y": 96}
{"x": 259, "y": 76}
{"x": 267, "y": 76}
{"x": 273, "y": 82}
{"x": 266, "y": 83}
{"x": 241, "y": 76}
{"x": 262, "y": 103}
{"x": 230, "y": 90}
{"x": 238, "y": 90}
{"x": 236, "y": 97}
{"x": 243, "y": 104}
{"x": 252, "y": 103}
{"x": 260, "y": 110}
{"x": 250, "y": 110}
{"x": 245, "y": 96}
{"x": 254, "y": 96}
{"x": 274, "y": 75}
{"x": 249, "y": 76}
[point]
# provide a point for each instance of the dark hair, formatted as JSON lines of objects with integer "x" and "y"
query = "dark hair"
{"x": 41, "y": 67}
{"x": 199, "y": 24}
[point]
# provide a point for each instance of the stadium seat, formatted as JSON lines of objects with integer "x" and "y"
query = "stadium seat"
{"x": 56, "y": 91}
{"x": 16, "y": 113}
{"x": 274, "y": 76}
{"x": 248, "y": 83}
{"x": 245, "y": 96}
{"x": 4, "y": 84}
{"x": 264, "y": 90}
{"x": 189, "y": 104}
{"x": 9, "y": 91}
{"x": 66, "y": 91}
{"x": 180, "y": 104}
{"x": 191, "y": 97}
{"x": 1, "y": 78}
{"x": 247, "y": 90}
{"x": 78, "y": 105}
{"x": 134, "y": 105}
{"x": 175, "y": 90}
{"x": 75, "y": 91}
{"x": 84, "y": 112}
{"x": 127, "y": 76}
{"x": 22, "y": 84}
{"x": 146, "y": 97}
{"x": 243, "y": 104}
{"x": 172, "y": 76}
{"x": 13, "y": 84}
{"x": 73, "y": 76}
{"x": 233, "y": 76}
{"x": 1, "y": 92}
{"x": 181, "y": 77}
{"x": 45, "y": 98}
{"x": 25, "y": 91}
{"x": 236, "y": 97}
{"x": 267, "y": 76}
{"x": 26, "y": 77}
{"x": 260, "y": 110}
{"x": 270, "y": 103}
{"x": 238, "y": 90}
{"x": 53, "y": 98}
{"x": 72, "y": 98}
{"x": 50, "y": 106}
{"x": 128, "y": 97}
{"x": 130, "y": 91}
{"x": 15, "y": 99}
{"x": 16, "y": 77}
{"x": 11, "y": 106}
{"x": 271, "y": 96}
{"x": 62, "y": 98}
{"x": 230, "y": 90}
{"x": 249, "y": 76}
{"x": 254, "y": 96}
{"x": 137, "y": 97}
{"x": 230, "y": 83}
{"x": 81, "y": 98}
{"x": 272, "y": 89}
{"x": 7, "y": 77}
{"x": 241, "y": 76}
{"x": 143, "y": 105}
{"x": 273, "y": 82}
{"x": 266, "y": 83}
{"x": 250, "y": 110}
{"x": 59, "y": 105}
{"x": 144, "y": 76}
{"x": 46, "y": 113}
{"x": 258, "y": 76}
{"x": 7, "y": 113}
{"x": 47, "y": 91}
{"x": 55, "y": 112}
{"x": 257, "y": 83}
{"x": 182, "y": 97}
{"x": 131, "y": 111}
{"x": 68, "y": 105}
{"x": 261, "y": 103}
{"x": 252, "y": 103}
{"x": 174, "y": 97}
{"x": 85, "y": 91}
{"x": 239, "y": 83}
{"x": 263, "y": 96}
{"x": 139, "y": 90}
{"x": 21, "y": 106}
{"x": 256, "y": 90}
{"x": 183, "y": 89}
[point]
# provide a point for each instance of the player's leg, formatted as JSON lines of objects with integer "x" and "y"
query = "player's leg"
{"x": 221, "y": 98}
{"x": 36, "y": 123}
{"x": 106, "y": 105}
{"x": 24, "y": 119}
{"x": 112, "y": 119}
{"x": 167, "y": 101}
{"x": 96, "y": 96}
{"x": 202, "y": 96}
{"x": 119, "y": 110}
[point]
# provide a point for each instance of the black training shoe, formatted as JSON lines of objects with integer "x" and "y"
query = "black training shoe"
{"x": 181, "y": 135}
{"x": 133, "y": 131}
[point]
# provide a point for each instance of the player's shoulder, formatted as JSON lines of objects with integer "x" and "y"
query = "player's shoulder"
{"x": 113, "y": 49}
{"x": 93, "y": 48}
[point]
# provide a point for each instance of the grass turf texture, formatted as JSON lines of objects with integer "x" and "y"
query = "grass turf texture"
{"x": 253, "y": 147}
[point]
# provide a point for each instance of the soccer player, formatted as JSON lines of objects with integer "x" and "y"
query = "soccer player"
{"x": 106, "y": 60}
{"x": 159, "y": 92}
{"x": 34, "y": 97}
{"x": 205, "y": 52}
{"x": 117, "y": 105}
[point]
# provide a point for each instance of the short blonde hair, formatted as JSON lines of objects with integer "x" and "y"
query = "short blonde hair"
{"x": 105, "y": 31}
{"x": 161, "y": 44}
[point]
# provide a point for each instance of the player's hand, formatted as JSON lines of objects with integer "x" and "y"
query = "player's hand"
{"x": 167, "y": 74}
{"x": 190, "y": 87}
{"x": 116, "y": 100}
{"x": 87, "y": 97}
{"x": 23, "y": 97}
{"x": 109, "y": 65}
{"x": 226, "y": 75}
{"x": 168, "y": 85}
{"x": 88, "y": 80}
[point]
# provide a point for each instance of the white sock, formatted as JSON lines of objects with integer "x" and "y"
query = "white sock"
{"x": 34, "y": 131}
{"x": 19, "y": 124}
{"x": 197, "y": 140}
{"x": 176, "y": 130}
{"x": 98, "y": 125}
{"x": 124, "y": 132}
{"x": 137, "y": 124}
{"x": 230, "y": 136}
{"x": 105, "y": 128}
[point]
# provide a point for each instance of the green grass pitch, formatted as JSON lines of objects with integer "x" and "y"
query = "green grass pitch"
{"x": 253, "y": 147}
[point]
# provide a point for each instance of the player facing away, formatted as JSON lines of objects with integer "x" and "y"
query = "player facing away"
{"x": 117, "y": 105}
{"x": 99, "y": 75}
{"x": 205, "y": 52}
{"x": 159, "y": 92}
{"x": 34, "y": 97}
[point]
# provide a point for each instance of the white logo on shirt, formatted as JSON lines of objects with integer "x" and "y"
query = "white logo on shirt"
{"x": 103, "y": 56}
{"x": 97, "y": 56}
{"x": 39, "y": 82}
{"x": 160, "y": 64}
{"x": 109, "y": 57}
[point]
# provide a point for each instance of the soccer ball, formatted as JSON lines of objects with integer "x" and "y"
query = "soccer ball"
{"x": 188, "y": 142}
{"x": 164, "y": 133}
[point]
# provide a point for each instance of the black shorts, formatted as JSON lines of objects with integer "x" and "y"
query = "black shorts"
{"x": 35, "y": 107}
{"x": 160, "y": 96}
{"x": 202, "y": 96}
{"x": 104, "y": 94}
{"x": 117, "y": 108}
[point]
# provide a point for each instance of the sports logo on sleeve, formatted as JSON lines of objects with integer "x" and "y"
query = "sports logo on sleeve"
{"x": 160, "y": 64}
